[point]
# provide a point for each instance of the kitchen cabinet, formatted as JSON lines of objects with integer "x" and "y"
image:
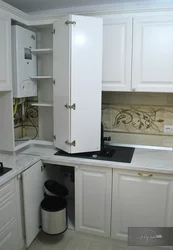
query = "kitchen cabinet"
{"x": 140, "y": 200}
{"x": 33, "y": 193}
{"x": 117, "y": 53}
{"x": 152, "y": 54}
{"x": 93, "y": 200}
{"x": 5, "y": 52}
{"x": 77, "y": 72}
{"x": 9, "y": 238}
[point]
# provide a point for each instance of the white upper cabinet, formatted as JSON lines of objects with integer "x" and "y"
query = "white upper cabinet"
{"x": 77, "y": 71}
{"x": 117, "y": 52}
{"x": 5, "y": 52}
{"x": 140, "y": 201}
{"x": 152, "y": 68}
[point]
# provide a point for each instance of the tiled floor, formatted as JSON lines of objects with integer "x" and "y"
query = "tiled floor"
{"x": 72, "y": 240}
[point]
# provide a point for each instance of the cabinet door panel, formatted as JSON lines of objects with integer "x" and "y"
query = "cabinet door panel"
{"x": 140, "y": 202}
{"x": 9, "y": 238}
{"x": 61, "y": 88}
{"x": 78, "y": 75}
{"x": 33, "y": 193}
{"x": 5, "y": 52}
{"x": 117, "y": 52}
{"x": 93, "y": 200}
{"x": 153, "y": 54}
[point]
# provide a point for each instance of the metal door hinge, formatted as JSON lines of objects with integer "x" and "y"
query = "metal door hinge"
{"x": 33, "y": 37}
{"x": 54, "y": 137}
{"x": 53, "y": 31}
{"x": 73, "y": 143}
{"x": 70, "y": 22}
{"x": 53, "y": 81}
{"x": 73, "y": 106}
{"x": 42, "y": 168}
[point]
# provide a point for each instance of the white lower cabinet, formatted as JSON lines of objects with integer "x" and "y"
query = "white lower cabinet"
{"x": 140, "y": 200}
{"x": 9, "y": 237}
{"x": 93, "y": 200}
{"x": 33, "y": 193}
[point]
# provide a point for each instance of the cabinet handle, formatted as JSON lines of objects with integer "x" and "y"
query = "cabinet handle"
{"x": 145, "y": 175}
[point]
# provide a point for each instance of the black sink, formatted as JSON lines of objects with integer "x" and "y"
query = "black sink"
{"x": 3, "y": 170}
{"x": 108, "y": 153}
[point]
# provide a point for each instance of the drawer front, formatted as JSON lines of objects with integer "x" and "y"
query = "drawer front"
{"x": 7, "y": 212}
{"x": 7, "y": 190}
{"x": 9, "y": 237}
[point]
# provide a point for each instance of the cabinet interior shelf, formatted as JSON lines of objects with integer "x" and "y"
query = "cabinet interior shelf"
{"x": 42, "y": 104}
{"x": 41, "y": 77}
{"x": 41, "y": 51}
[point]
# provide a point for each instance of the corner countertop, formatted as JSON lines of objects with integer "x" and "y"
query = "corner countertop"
{"x": 146, "y": 160}
{"x": 18, "y": 163}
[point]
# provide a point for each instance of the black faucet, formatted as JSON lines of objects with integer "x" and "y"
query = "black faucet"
{"x": 103, "y": 139}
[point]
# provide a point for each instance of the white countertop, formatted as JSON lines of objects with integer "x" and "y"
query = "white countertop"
{"x": 149, "y": 160}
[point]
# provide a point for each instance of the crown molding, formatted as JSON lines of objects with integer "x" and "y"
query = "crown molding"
{"x": 16, "y": 13}
{"x": 119, "y": 8}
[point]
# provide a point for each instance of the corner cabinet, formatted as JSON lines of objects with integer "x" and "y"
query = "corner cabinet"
{"x": 93, "y": 200}
{"x": 5, "y": 52}
{"x": 77, "y": 71}
{"x": 140, "y": 200}
{"x": 152, "y": 69}
{"x": 117, "y": 53}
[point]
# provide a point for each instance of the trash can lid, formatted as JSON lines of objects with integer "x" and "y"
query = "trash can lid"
{"x": 53, "y": 204}
{"x": 55, "y": 188}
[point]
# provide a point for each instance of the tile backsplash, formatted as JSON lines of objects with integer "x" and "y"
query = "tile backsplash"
{"x": 142, "y": 115}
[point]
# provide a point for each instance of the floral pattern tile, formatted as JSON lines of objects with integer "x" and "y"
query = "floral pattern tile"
{"x": 136, "y": 119}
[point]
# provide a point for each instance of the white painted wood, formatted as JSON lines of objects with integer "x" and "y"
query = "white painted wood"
{"x": 33, "y": 193}
{"x": 5, "y": 52}
{"x": 8, "y": 212}
{"x": 77, "y": 71}
{"x": 140, "y": 202}
{"x": 20, "y": 211}
{"x": 41, "y": 51}
{"x": 7, "y": 190}
{"x": 9, "y": 237}
{"x": 117, "y": 52}
{"x": 93, "y": 200}
{"x": 153, "y": 54}
{"x": 6, "y": 121}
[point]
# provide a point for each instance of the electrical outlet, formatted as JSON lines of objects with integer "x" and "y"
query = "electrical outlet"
{"x": 168, "y": 129}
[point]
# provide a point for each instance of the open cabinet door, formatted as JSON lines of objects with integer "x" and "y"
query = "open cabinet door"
{"x": 61, "y": 89}
{"x": 33, "y": 193}
{"x": 86, "y": 83}
{"x": 78, "y": 83}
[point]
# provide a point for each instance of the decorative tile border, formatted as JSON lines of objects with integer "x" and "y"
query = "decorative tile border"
{"x": 136, "y": 119}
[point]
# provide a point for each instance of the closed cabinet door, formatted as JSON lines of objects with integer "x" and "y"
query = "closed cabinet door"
{"x": 93, "y": 200}
{"x": 117, "y": 52}
{"x": 140, "y": 200}
{"x": 153, "y": 54}
{"x": 9, "y": 237}
{"x": 77, "y": 61}
{"x": 5, "y": 52}
{"x": 33, "y": 193}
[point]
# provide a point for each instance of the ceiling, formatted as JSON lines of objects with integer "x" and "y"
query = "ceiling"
{"x": 41, "y": 5}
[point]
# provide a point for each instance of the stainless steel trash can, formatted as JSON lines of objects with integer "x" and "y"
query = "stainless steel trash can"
{"x": 54, "y": 215}
{"x": 54, "y": 208}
